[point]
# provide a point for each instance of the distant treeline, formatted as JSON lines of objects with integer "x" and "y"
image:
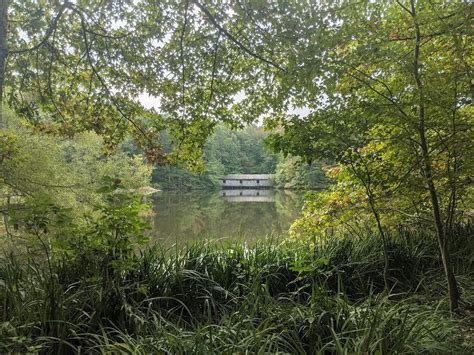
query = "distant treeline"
{"x": 241, "y": 151}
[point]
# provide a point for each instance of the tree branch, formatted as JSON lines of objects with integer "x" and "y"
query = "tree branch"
{"x": 101, "y": 80}
{"x": 234, "y": 40}
{"x": 48, "y": 33}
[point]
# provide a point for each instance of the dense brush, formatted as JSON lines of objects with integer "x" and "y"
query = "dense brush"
{"x": 231, "y": 298}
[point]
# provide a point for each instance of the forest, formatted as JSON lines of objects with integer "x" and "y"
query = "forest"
{"x": 119, "y": 120}
{"x": 243, "y": 151}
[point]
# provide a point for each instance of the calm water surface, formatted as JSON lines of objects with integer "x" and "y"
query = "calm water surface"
{"x": 228, "y": 214}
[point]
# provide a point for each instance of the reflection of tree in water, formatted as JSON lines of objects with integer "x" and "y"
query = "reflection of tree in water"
{"x": 182, "y": 215}
{"x": 249, "y": 219}
{"x": 288, "y": 204}
{"x": 186, "y": 216}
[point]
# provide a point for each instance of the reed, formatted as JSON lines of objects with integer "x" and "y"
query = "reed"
{"x": 230, "y": 298}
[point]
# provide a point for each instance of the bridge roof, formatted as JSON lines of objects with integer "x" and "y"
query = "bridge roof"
{"x": 248, "y": 176}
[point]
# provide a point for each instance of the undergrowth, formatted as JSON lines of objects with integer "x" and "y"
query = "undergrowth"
{"x": 230, "y": 299}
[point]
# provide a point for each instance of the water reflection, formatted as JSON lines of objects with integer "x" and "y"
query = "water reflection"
{"x": 248, "y": 195}
{"x": 228, "y": 214}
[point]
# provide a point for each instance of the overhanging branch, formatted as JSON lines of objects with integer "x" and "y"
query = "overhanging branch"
{"x": 234, "y": 40}
{"x": 48, "y": 33}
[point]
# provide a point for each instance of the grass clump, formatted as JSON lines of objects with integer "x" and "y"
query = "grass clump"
{"x": 230, "y": 298}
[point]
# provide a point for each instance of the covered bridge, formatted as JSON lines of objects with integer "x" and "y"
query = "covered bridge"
{"x": 247, "y": 181}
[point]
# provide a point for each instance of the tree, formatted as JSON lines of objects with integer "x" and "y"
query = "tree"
{"x": 75, "y": 66}
{"x": 48, "y": 177}
{"x": 293, "y": 173}
{"x": 398, "y": 74}
{"x": 226, "y": 151}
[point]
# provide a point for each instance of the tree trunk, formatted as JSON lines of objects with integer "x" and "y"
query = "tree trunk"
{"x": 384, "y": 244}
{"x": 427, "y": 170}
{"x": 443, "y": 240}
{"x": 3, "y": 52}
{"x": 366, "y": 181}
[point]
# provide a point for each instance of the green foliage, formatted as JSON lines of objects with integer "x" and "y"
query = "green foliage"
{"x": 209, "y": 298}
{"x": 227, "y": 151}
{"x": 236, "y": 62}
{"x": 49, "y": 183}
{"x": 240, "y": 151}
{"x": 175, "y": 178}
{"x": 292, "y": 173}
{"x": 342, "y": 208}
{"x": 78, "y": 66}
{"x": 374, "y": 120}
{"x": 66, "y": 171}
{"x": 388, "y": 87}
{"x": 119, "y": 227}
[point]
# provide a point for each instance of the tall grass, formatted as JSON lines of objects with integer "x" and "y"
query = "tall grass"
{"x": 229, "y": 298}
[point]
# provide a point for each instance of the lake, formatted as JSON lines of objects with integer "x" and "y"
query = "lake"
{"x": 246, "y": 215}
